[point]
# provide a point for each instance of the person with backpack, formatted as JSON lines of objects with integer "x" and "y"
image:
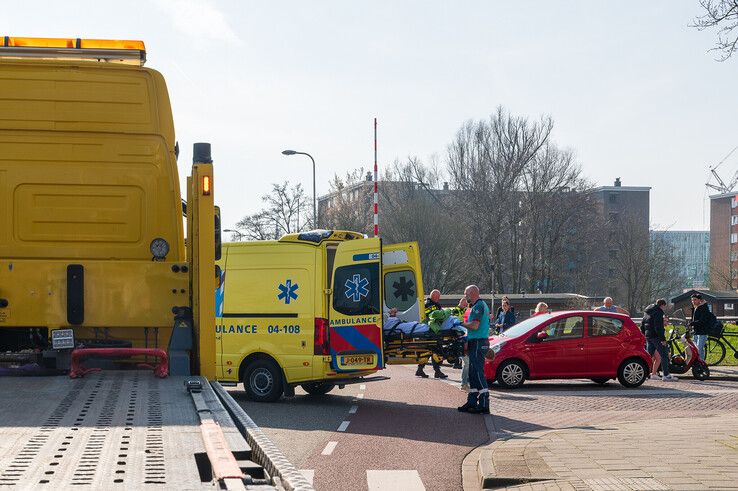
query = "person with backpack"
{"x": 656, "y": 337}
{"x": 702, "y": 320}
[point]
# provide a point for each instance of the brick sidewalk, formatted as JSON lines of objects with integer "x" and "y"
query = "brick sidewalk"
{"x": 681, "y": 436}
{"x": 657, "y": 454}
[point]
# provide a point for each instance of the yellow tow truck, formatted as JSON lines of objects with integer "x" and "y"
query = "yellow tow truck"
{"x": 93, "y": 256}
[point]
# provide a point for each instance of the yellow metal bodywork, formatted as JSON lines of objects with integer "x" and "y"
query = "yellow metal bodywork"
{"x": 88, "y": 176}
{"x": 253, "y": 320}
{"x": 201, "y": 232}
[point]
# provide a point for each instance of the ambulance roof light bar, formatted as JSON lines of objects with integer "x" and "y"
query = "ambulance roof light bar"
{"x": 104, "y": 50}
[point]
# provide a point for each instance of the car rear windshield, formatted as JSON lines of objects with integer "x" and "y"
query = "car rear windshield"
{"x": 526, "y": 325}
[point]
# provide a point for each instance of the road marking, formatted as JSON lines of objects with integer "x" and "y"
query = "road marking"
{"x": 329, "y": 448}
{"x": 359, "y": 396}
{"x": 343, "y": 426}
{"x": 353, "y": 409}
{"x": 309, "y": 474}
{"x": 394, "y": 480}
{"x": 362, "y": 387}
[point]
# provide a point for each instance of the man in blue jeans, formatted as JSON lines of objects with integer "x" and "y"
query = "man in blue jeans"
{"x": 656, "y": 337}
{"x": 477, "y": 401}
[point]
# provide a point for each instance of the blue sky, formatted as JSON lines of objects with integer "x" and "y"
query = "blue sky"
{"x": 631, "y": 87}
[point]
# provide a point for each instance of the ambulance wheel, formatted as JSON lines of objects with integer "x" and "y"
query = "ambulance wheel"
{"x": 262, "y": 380}
{"x": 318, "y": 388}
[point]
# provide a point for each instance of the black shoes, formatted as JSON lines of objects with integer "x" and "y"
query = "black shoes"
{"x": 457, "y": 366}
{"x": 467, "y": 408}
{"x": 421, "y": 373}
{"x": 478, "y": 410}
{"x": 439, "y": 374}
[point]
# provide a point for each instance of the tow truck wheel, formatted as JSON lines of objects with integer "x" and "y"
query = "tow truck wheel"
{"x": 318, "y": 388}
{"x": 262, "y": 381}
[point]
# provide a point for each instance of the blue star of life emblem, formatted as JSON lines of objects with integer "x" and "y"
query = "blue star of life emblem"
{"x": 287, "y": 291}
{"x": 357, "y": 288}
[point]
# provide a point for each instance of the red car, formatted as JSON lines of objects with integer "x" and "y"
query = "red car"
{"x": 579, "y": 344}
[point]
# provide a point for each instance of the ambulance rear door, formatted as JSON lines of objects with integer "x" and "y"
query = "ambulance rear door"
{"x": 355, "y": 307}
{"x": 403, "y": 280}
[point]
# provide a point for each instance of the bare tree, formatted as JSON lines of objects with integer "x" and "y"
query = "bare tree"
{"x": 721, "y": 14}
{"x": 642, "y": 268}
{"x": 487, "y": 160}
{"x": 416, "y": 208}
{"x": 286, "y": 212}
{"x": 350, "y": 207}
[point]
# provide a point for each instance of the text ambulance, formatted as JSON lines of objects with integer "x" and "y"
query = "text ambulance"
{"x": 307, "y": 310}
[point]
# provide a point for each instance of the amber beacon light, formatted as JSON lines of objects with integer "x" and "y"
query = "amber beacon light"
{"x": 104, "y": 50}
{"x": 206, "y": 185}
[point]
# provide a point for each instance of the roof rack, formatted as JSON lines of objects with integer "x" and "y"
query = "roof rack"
{"x": 102, "y": 50}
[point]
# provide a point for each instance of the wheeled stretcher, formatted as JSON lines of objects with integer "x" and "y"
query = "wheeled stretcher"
{"x": 406, "y": 343}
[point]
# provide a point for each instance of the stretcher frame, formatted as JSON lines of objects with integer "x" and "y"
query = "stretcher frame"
{"x": 404, "y": 349}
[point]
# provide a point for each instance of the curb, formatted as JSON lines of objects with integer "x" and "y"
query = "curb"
{"x": 489, "y": 480}
{"x": 274, "y": 462}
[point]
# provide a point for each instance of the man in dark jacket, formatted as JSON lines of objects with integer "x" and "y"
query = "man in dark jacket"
{"x": 656, "y": 337}
{"x": 702, "y": 320}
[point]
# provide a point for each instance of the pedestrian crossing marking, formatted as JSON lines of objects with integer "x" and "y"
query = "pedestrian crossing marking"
{"x": 309, "y": 475}
{"x": 343, "y": 426}
{"x": 385, "y": 480}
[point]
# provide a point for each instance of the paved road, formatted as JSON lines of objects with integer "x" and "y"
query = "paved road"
{"x": 403, "y": 433}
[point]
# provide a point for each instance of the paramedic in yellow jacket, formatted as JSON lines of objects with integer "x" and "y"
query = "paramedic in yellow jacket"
{"x": 431, "y": 304}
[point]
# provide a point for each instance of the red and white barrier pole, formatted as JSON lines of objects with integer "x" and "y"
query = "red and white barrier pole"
{"x": 376, "y": 184}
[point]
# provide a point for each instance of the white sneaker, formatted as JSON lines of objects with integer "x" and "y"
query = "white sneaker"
{"x": 669, "y": 378}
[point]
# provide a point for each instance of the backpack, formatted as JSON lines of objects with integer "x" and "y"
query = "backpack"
{"x": 716, "y": 329}
{"x": 646, "y": 321}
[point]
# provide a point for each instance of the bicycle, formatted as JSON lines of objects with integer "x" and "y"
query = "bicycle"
{"x": 715, "y": 347}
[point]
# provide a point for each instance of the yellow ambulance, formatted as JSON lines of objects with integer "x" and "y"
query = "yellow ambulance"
{"x": 307, "y": 310}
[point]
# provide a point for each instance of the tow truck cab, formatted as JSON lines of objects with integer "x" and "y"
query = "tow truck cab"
{"x": 308, "y": 308}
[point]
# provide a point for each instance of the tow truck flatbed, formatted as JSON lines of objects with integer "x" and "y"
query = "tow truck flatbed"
{"x": 111, "y": 430}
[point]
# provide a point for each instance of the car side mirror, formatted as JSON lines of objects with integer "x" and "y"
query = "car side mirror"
{"x": 541, "y": 335}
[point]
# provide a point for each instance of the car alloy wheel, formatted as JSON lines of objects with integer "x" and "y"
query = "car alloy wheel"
{"x": 512, "y": 374}
{"x": 632, "y": 373}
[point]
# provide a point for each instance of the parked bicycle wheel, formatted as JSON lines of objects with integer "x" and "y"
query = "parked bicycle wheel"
{"x": 714, "y": 351}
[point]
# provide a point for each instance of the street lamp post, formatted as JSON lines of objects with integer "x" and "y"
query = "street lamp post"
{"x": 315, "y": 213}
{"x": 240, "y": 235}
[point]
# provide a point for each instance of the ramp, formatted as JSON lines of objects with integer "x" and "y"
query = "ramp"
{"x": 112, "y": 430}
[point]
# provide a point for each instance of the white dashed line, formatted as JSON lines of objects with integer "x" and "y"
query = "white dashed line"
{"x": 353, "y": 409}
{"x": 343, "y": 426}
{"x": 329, "y": 448}
{"x": 359, "y": 396}
{"x": 362, "y": 387}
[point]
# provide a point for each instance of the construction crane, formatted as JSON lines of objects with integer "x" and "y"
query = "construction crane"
{"x": 721, "y": 187}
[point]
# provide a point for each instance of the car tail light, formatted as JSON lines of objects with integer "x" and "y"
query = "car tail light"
{"x": 320, "y": 344}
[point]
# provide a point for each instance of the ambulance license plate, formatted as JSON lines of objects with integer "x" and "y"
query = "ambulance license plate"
{"x": 357, "y": 361}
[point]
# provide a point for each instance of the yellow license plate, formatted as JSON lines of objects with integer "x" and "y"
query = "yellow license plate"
{"x": 353, "y": 361}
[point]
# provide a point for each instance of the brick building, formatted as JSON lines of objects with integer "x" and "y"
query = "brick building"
{"x": 617, "y": 204}
{"x": 723, "y": 241}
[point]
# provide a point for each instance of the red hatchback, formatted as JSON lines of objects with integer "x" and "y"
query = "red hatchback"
{"x": 579, "y": 344}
